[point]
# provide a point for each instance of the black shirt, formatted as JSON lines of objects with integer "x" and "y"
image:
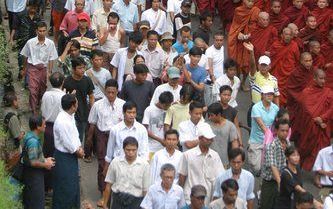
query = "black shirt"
{"x": 83, "y": 87}
{"x": 230, "y": 113}
{"x": 26, "y": 28}
{"x": 203, "y": 34}
{"x": 185, "y": 20}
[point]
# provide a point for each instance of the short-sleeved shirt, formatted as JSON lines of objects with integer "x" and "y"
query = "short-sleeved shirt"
{"x": 129, "y": 178}
{"x": 166, "y": 87}
{"x": 140, "y": 94}
{"x": 176, "y": 114}
{"x": 83, "y": 87}
{"x": 230, "y": 113}
{"x": 67, "y": 64}
{"x": 257, "y": 81}
{"x": 324, "y": 162}
{"x": 128, "y": 14}
{"x": 217, "y": 56}
{"x": 87, "y": 41}
{"x": 10, "y": 143}
{"x": 180, "y": 48}
{"x": 101, "y": 77}
{"x": 224, "y": 136}
{"x": 267, "y": 117}
{"x": 179, "y": 22}
{"x": 32, "y": 149}
{"x": 198, "y": 74}
{"x": 203, "y": 34}
{"x": 219, "y": 203}
{"x": 189, "y": 207}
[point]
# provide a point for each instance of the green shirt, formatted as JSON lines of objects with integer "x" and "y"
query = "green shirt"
{"x": 67, "y": 64}
{"x": 32, "y": 148}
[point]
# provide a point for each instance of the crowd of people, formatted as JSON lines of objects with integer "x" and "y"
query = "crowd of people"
{"x": 153, "y": 97}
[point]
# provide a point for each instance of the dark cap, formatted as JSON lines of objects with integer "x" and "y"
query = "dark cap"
{"x": 144, "y": 24}
{"x": 198, "y": 191}
{"x": 186, "y": 3}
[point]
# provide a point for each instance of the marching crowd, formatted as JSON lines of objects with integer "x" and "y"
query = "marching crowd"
{"x": 153, "y": 97}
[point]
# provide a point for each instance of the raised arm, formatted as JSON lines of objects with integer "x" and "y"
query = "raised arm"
{"x": 253, "y": 68}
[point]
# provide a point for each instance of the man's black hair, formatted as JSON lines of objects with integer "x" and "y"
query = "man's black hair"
{"x": 130, "y": 141}
{"x": 136, "y": 37}
{"x": 35, "y": 121}
{"x": 166, "y": 97}
{"x": 67, "y": 101}
{"x": 57, "y": 79}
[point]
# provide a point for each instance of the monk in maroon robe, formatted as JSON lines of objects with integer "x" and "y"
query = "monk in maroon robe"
{"x": 324, "y": 17}
{"x": 226, "y": 11}
{"x": 263, "y": 5}
{"x": 277, "y": 19}
{"x": 312, "y": 122}
{"x": 245, "y": 18}
{"x": 284, "y": 54}
{"x": 317, "y": 57}
{"x": 310, "y": 31}
{"x": 263, "y": 35}
{"x": 297, "y": 13}
{"x": 205, "y": 5}
{"x": 327, "y": 51}
{"x": 294, "y": 30}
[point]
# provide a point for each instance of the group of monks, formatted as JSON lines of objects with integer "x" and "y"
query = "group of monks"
{"x": 298, "y": 37}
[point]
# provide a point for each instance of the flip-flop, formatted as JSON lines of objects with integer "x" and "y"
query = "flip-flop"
{"x": 100, "y": 203}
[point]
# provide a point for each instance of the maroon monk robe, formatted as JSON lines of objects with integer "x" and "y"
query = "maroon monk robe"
{"x": 262, "y": 38}
{"x": 226, "y": 11}
{"x": 307, "y": 33}
{"x": 314, "y": 101}
{"x": 297, "y": 16}
{"x": 279, "y": 21}
{"x": 327, "y": 50}
{"x": 286, "y": 4}
{"x": 310, "y": 4}
{"x": 324, "y": 18}
{"x": 285, "y": 58}
{"x": 263, "y": 5}
{"x": 205, "y": 5}
{"x": 318, "y": 61}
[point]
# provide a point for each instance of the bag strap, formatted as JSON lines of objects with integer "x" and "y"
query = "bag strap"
{"x": 157, "y": 20}
{"x": 95, "y": 80}
{"x": 8, "y": 116}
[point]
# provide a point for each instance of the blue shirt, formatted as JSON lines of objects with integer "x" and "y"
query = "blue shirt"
{"x": 128, "y": 14}
{"x": 267, "y": 116}
{"x": 180, "y": 48}
{"x": 198, "y": 74}
{"x": 188, "y": 207}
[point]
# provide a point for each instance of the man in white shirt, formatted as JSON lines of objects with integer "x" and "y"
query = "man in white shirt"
{"x": 127, "y": 178}
{"x": 200, "y": 165}
{"x": 88, "y": 6}
{"x": 188, "y": 130}
{"x": 100, "y": 16}
{"x": 172, "y": 86}
{"x": 324, "y": 170}
{"x": 51, "y": 106}
{"x": 153, "y": 120}
{"x": 66, "y": 186}
{"x": 104, "y": 115}
{"x": 215, "y": 56}
{"x": 128, "y": 127}
{"x": 165, "y": 194}
{"x": 169, "y": 154}
{"x": 228, "y": 78}
{"x": 156, "y": 17}
{"x": 98, "y": 74}
{"x": 39, "y": 54}
{"x": 244, "y": 178}
{"x": 173, "y": 8}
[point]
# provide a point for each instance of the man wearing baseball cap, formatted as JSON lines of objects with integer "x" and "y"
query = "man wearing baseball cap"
{"x": 200, "y": 165}
{"x": 198, "y": 195}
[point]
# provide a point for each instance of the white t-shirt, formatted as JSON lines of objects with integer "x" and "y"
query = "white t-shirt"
{"x": 218, "y": 57}
{"x": 88, "y": 7}
{"x": 328, "y": 204}
{"x": 166, "y": 87}
{"x": 102, "y": 76}
{"x": 174, "y": 6}
{"x": 154, "y": 118}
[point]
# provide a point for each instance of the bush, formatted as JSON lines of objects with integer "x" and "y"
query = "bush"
{"x": 6, "y": 77}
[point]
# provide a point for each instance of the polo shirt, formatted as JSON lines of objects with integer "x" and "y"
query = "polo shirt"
{"x": 324, "y": 162}
{"x": 180, "y": 48}
{"x": 267, "y": 116}
{"x": 257, "y": 81}
{"x": 99, "y": 19}
{"x": 87, "y": 41}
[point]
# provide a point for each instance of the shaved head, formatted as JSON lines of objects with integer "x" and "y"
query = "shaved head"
{"x": 287, "y": 35}
{"x": 306, "y": 60}
{"x": 320, "y": 77}
{"x": 314, "y": 47}
{"x": 263, "y": 20}
{"x": 294, "y": 29}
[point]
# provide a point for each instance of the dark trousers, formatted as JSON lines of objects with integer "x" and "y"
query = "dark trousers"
{"x": 33, "y": 192}
{"x": 102, "y": 138}
{"x": 127, "y": 201}
{"x": 269, "y": 192}
{"x": 249, "y": 116}
{"x": 81, "y": 127}
{"x": 48, "y": 150}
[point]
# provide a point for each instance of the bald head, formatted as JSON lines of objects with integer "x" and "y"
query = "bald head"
{"x": 319, "y": 77}
{"x": 306, "y": 60}
{"x": 286, "y": 35}
{"x": 330, "y": 36}
{"x": 293, "y": 28}
{"x": 199, "y": 42}
{"x": 263, "y": 19}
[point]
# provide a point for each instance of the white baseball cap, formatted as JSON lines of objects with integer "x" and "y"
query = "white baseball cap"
{"x": 206, "y": 131}
{"x": 264, "y": 60}
{"x": 267, "y": 89}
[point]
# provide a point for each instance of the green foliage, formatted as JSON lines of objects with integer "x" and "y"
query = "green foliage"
{"x": 8, "y": 191}
{"x": 5, "y": 74}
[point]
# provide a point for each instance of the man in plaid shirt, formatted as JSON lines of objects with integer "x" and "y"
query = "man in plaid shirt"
{"x": 275, "y": 160}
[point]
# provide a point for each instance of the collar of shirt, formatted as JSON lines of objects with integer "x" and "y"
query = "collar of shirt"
{"x": 56, "y": 89}
{"x": 123, "y": 126}
{"x": 229, "y": 173}
{"x": 165, "y": 152}
{"x": 71, "y": 117}
{"x": 160, "y": 188}
{"x": 264, "y": 108}
{"x": 270, "y": 77}
{"x": 198, "y": 152}
{"x": 43, "y": 44}
{"x": 136, "y": 162}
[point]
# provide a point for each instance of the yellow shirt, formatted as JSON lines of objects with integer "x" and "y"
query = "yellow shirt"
{"x": 176, "y": 114}
{"x": 257, "y": 81}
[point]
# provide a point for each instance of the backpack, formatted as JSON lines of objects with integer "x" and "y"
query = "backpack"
{"x": 7, "y": 119}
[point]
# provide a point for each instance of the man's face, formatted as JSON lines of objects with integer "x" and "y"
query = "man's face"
{"x": 32, "y": 9}
{"x": 185, "y": 36}
{"x": 231, "y": 72}
{"x": 322, "y": 4}
{"x": 171, "y": 141}
{"x": 113, "y": 22}
{"x": 79, "y": 5}
{"x": 167, "y": 44}
{"x": 167, "y": 178}
{"x": 152, "y": 41}
{"x": 306, "y": 61}
{"x": 283, "y": 131}
{"x": 74, "y": 52}
{"x": 268, "y": 97}
{"x": 79, "y": 70}
{"x": 311, "y": 22}
{"x": 196, "y": 115}
{"x": 230, "y": 196}
{"x": 298, "y": 3}
{"x": 287, "y": 36}
{"x": 42, "y": 127}
{"x": 248, "y": 3}
{"x": 111, "y": 93}
{"x": 140, "y": 77}
{"x": 276, "y": 7}
{"x": 320, "y": 79}
{"x": 173, "y": 82}
{"x": 195, "y": 59}
{"x": 155, "y": 4}
{"x": 107, "y": 4}
{"x": 218, "y": 41}
{"x": 264, "y": 69}
{"x": 208, "y": 22}
{"x": 131, "y": 152}
{"x": 144, "y": 32}
{"x": 264, "y": 21}
{"x": 130, "y": 115}
{"x": 186, "y": 9}
{"x": 83, "y": 24}
{"x": 205, "y": 142}
{"x": 225, "y": 96}
{"x": 197, "y": 202}
{"x": 132, "y": 45}
{"x": 97, "y": 62}
{"x": 237, "y": 164}
{"x": 41, "y": 32}
{"x": 315, "y": 49}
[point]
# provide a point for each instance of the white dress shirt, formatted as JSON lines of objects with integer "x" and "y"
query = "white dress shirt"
{"x": 88, "y": 6}
{"x": 105, "y": 115}
{"x": 158, "y": 198}
{"x": 39, "y": 53}
{"x": 187, "y": 131}
{"x": 51, "y": 104}
{"x": 245, "y": 183}
{"x": 119, "y": 133}
{"x": 99, "y": 19}
{"x": 324, "y": 162}
{"x": 152, "y": 16}
{"x": 66, "y": 135}
{"x": 166, "y": 87}
{"x": 224, "y": 80}
{"x": 16, "y": 5}
{"x": 160, "y": 158}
